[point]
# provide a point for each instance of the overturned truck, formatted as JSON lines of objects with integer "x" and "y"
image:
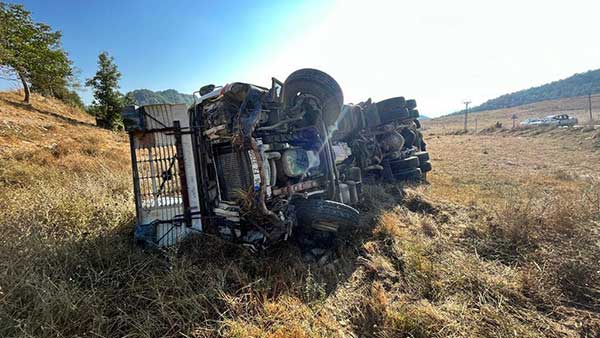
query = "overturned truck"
{"x": 383, "y": 139}
{"x": 251, "y": 164}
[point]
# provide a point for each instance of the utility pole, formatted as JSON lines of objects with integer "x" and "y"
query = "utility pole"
{"x": 590, "y": 106}
{"x": 466, "y": 112}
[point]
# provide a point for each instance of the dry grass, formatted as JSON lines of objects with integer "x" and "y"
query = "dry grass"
{"x": 576, "y": 106}
{"x": 503, "y": 243}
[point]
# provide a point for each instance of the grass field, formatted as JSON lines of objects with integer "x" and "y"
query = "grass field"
{"x": 575, "y": 106}
{"x": 503, "y": 242}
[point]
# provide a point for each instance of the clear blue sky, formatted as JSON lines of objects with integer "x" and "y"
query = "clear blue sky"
{"x": 173, "y": 44}
{"x": 438, "y": 52}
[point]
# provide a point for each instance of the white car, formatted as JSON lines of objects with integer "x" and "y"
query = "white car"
{"x": 552, "y": 120}
{"x": 531, "y": 122}
{"x": 561, "y": 120}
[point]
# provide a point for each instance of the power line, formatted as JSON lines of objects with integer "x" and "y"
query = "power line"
{"x": 466, "y": 112}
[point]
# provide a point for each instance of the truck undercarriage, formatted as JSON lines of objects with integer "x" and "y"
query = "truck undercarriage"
{"x": 262, "y": 160}
{"x": 384, "y": 141}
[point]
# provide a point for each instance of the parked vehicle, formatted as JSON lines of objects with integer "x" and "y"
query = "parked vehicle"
{"x": 552, "y": 120}
{"x": 531, "y": 122}
{"x": 384, "y": 140}
{"x": 562, "y": 120}
{"x": 251, "y": 164}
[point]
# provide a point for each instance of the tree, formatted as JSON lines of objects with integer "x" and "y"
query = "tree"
{"x": 108, "y": 101}
{"x": 32, "y": 52}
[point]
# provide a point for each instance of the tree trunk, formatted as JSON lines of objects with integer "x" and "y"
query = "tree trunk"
{"x": 25, "y": 88}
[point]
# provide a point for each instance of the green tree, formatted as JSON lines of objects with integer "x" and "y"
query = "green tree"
{"x": 32, "y": 52}
{"x": 108, "y": 101}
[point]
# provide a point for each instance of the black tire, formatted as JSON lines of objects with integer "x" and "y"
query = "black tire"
{"x": 392, "y": 109}
{"x": 394, "y": 115}
{"x": 405, "y": 163}
{"x": 411, "y": 104}
{"x": 394, "y": 103}
{"x": 408, "y": 174}
{"x": 420, "y": 143}
{"x": 425, "y": 167}
{"x": 319, "y": 84}
{"x": 423, "y": 156}
{"x": 414, "y": 113}
{"x": 410, "y": 137}
{"x": 325, "y": 215}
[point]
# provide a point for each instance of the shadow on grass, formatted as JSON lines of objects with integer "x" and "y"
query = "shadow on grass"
{"x": 31, "y": 108}
{"x": 105, "y": 285}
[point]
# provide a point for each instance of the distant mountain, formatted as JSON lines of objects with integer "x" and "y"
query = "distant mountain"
{"x": 146, "y": 96}
{"x": 576, "y": 85}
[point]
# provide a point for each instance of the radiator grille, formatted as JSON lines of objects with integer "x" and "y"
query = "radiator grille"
{"x": 235, "y": 173}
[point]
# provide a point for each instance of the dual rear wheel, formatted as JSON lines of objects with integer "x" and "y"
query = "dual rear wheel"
{"x": 414, "y": 167}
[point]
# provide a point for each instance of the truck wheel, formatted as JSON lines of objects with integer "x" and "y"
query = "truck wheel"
{"x": 425, "y": 167}
{"x": 317, "y": 83}
{"x": 394, "y": 115}
{"x": 405, "y": 163}
{"x": 423, "y": 156}
{"x": 393, "y": 103}
{"x": 392, "y": 109}
{"x": 325, "y": 215}
{"x": 411, "y": 104}
{"x": 408, "y": 174}
{"x": 409, "y": 137}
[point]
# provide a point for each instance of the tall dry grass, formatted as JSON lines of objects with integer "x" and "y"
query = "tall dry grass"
{"x": 418, "y": 266}
{"x": 528, "y": 267}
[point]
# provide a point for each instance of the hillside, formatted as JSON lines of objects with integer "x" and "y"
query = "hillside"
{"x": 575, "y": 106}
{"x": 577, "y": 85}
{"x": 49, "y": 134}
{"x": 502, "y": 243}
{"x": 146, "y": 96}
